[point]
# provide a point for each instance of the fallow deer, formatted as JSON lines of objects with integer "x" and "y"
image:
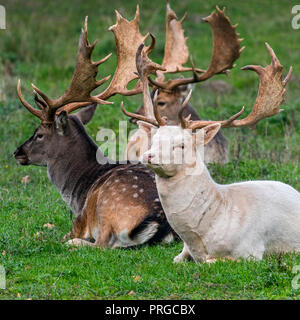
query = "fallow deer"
{"x": 171, "y": 94}
{"x": 239, "y": 220}
{"x": 116, "y": 205}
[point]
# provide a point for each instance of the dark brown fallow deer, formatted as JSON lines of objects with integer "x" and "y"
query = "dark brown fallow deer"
{"x": 116, "y": 205}
{"x": 171, "y": 94}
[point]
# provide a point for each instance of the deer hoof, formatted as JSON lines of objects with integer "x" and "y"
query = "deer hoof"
{"x": 75, "y": 242}
{"x": 179, "y": 259}
{"x": 212, "y": 260}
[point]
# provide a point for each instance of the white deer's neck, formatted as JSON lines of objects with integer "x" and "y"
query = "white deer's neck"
{"x": 184, "y": 193}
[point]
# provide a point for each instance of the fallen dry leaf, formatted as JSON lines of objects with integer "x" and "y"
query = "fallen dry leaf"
{"x": 49, "y": 225}
{"x": 25, "y": 179}
{"x": 136, "y": 278}
{"x": 38, "y": 234}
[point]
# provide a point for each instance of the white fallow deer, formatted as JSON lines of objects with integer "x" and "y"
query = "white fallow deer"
{"x": 170, "y": 94}
{"x": 239, "y": 220}
{"x": 116, "y": 204}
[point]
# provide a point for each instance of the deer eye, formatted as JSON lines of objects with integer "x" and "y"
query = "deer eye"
{"x": 161, "y": 103}
{"x": 39, "y": 136}
{"x": 179, "y": 147}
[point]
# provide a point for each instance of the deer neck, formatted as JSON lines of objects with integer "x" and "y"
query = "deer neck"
{"x": 74, "y": 171}
{"x": 188, "y": 188}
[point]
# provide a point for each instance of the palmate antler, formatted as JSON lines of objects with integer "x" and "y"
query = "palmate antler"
{"x": 226, "y": 49}
{"x": 127, "y": 38}
{"x": 176, "y": 51}
{"x": 269, "y": 99}
{"x": 78, "y": 94}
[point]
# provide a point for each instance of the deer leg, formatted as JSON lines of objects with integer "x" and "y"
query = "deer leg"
{"x": 184, "y": 255}
{"x": 79, "y": 229}
{"x": 104, "y": 235}
{"x": 79, "y": 242}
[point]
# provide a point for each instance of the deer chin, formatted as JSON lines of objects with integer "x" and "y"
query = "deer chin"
{"x": 23, "y": 160}
{"x": 161, "y": 170}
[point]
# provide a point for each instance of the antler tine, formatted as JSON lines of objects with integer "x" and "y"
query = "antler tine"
{"x": 224, "y": 123}
{"x": 226, "y": 49}
{"x": 40, "y": 103}
{"x": 145, "y": 67}
{"x": 162, "y": 121}
{"x": 184, "y": 121}
{"x": 70, "y": 107}
{"x": 37, "y": 113}
{"x": 270, "y": 96}
{"x": 138, "y": 116}
{"x": 83, "y": 81}
{"x": 127, "y": 39}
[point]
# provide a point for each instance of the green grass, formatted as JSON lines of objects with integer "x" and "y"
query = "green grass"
{"x": 40, "y": 46}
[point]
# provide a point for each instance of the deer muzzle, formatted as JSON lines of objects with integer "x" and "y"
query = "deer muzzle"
{"x": 21, "y": 156}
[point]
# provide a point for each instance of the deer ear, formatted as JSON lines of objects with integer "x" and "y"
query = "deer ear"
{"x": 148, "y": 127}
{"x": 206, "y": 134}
{"x": 210, "y": 131}
{"x": 86, "y": 114}
{"x": 62, "y": 123}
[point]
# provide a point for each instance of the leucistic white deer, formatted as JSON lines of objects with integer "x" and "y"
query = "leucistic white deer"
{"x": 116, "y": 204}
{"x": 170, "y": 94}
{"x": 243, "y": 219}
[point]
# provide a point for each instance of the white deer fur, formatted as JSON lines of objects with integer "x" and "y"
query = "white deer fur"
{"x": 138, "y": 143}
{"x": 244, "y": 219}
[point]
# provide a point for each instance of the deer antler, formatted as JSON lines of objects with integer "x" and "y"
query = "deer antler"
{"x": 176, "y": 51}
{"x": 127, "y": 38}
{"x": 78, "y": 94}
{"x": 145, "y": 67}
{"x": 84, "y": 77}
{"x": 82, "y": 84}
{"x": 226, "y": 50}
{"x": 269, "y": 99}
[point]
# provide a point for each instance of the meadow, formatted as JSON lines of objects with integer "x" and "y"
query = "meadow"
{"x": 39, "y": 46}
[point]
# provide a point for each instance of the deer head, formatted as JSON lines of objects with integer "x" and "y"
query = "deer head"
{"x": 161, "y": 156}
{"x": 169, "y": 104}
{"x": 58, "y": 129}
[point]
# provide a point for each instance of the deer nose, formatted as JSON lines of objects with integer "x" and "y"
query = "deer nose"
{"x": 19, "y": 152}
{"x": 147, "y": 157}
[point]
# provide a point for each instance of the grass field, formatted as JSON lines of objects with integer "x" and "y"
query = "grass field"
{"x": 39, "y": 46}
